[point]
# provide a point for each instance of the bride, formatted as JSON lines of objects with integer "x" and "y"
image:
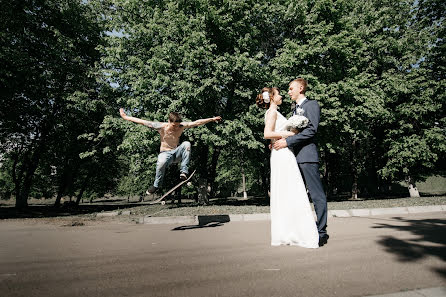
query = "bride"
{"x": 292, "y": 221}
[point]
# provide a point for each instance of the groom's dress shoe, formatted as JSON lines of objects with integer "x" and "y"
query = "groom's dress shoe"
{"x": 323, "y": 239}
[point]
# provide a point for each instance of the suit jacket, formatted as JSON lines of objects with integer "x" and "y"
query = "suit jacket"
{"x": 304, "y": 143}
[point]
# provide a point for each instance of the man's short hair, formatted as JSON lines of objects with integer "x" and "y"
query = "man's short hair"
{"x": 174, "y": 117}
{"x": 303, "y": 82}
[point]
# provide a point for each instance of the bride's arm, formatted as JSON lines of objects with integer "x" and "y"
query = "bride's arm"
{"x": 270, "y": 122}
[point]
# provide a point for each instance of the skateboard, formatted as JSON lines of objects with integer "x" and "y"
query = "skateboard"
{"x": 172, "y": 189}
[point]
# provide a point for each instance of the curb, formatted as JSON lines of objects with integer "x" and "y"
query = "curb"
{"x": 206, "y": 219}
{"x": 429, "y": 292}
{"x": 384, "y": 211}
{"x": 113, "y": 213}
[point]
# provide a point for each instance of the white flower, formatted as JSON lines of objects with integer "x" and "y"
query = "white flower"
{"x": 265, "y": 96}
{"x": 300, "y": 111}
{"x": 297, "y": 122}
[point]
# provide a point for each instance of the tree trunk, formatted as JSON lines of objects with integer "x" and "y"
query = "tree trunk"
{"x": 202, "y": 169}
{"x": 327, "y": 174}
{"x": 245, "y": 195}
{"x": 84, "y": 186}
{"x": 264, "y": 184}
{"x": 354, "y": 170}
{"x": 66, "y": 181}
{"x": 354, "y": 195}
{"x": 202, "y": 192}
{"x": 29, "y": 166}
{"x": 23, "y": 186}
{"x": 213, "y": 170}
{"x": 264, "y": 173}
{"x": 19, "y": 202}
{"x": 413, "y": 191}
{"x": 60, "y": 192}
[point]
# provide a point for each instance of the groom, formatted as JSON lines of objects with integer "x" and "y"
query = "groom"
{"x": 305, "y": 149}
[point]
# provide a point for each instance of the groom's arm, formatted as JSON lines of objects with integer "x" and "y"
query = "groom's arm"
{"x": 313, "y": 113}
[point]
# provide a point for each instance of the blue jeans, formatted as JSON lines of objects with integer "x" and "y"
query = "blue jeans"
{"x": 165, "y": 159}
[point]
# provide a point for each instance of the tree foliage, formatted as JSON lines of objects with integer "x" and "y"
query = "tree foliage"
{"x": 49, "y": 88}
{"x": 376, "y": 68}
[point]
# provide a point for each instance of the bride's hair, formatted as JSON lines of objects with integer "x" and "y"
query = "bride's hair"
{"x": 260, "y": 101}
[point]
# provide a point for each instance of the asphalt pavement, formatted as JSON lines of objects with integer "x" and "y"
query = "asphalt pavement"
{"x": 365, "y": 255}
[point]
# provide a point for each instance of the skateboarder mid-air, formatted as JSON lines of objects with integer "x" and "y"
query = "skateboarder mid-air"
{"x": 170, "y": 151}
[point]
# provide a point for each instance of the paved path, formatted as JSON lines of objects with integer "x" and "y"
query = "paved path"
{"x": 365, "y": 256}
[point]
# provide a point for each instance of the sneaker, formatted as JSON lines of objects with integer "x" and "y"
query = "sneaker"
{"x": 183, "y": 176}
{"x": 152, "y": 190}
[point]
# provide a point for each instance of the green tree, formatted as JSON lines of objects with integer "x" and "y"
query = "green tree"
{"x": 415, "y": 138}
{"x": 48, "y": 49}
{"x": 199, "y": 58}
{"x": 333, "y": 46}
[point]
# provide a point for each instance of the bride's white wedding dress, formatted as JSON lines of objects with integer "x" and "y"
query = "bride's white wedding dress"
{"x": 292, "y": 220}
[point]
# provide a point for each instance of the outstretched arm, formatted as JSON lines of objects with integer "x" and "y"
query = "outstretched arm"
{"x": 154, "y": 125}
{"x": 200, "y": 122}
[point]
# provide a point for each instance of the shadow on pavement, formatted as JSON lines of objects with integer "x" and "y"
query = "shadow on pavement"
{"x": 430, "y": 240}
{"x": 440, "y": 271}
{"x": 47, "y": 211}
{"x": 206, "y": 222}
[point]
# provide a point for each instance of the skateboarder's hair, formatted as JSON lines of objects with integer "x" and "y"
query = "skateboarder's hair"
{"x": 174, "y": 117}
{"x": 259, "y": 99}
{"x": 303, "y": 82}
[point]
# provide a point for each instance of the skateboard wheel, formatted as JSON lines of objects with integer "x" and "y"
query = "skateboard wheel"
{"x": 163, "y": 202}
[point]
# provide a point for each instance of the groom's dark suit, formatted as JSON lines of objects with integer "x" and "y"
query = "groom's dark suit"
{"x": 305, "y": 149}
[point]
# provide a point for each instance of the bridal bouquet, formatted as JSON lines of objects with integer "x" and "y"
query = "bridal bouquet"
{"x": 297, "y": 121}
